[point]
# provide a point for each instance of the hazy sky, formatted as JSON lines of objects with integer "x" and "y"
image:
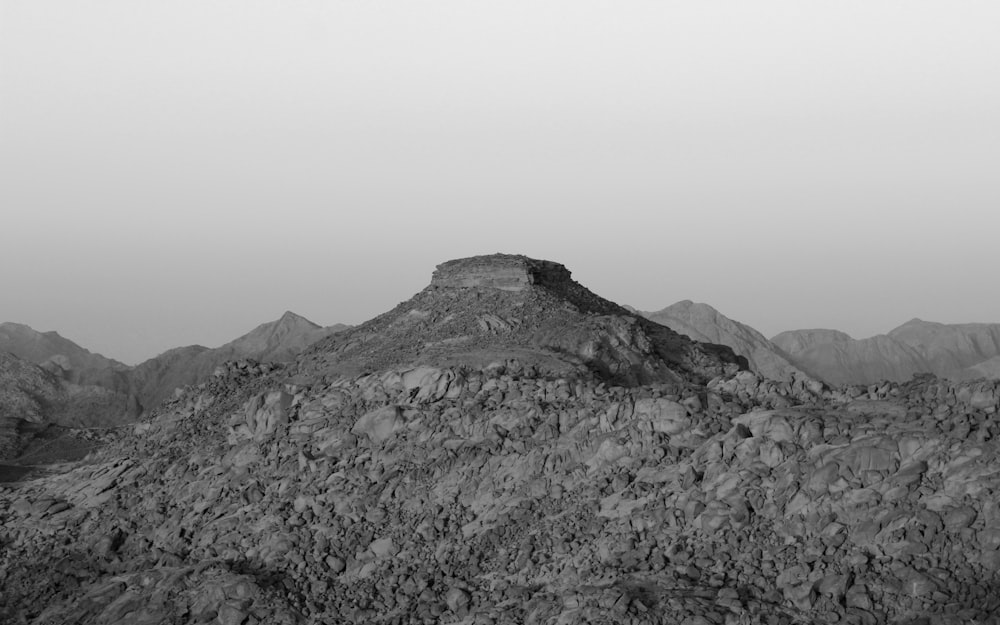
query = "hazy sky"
{"x": 177, "y": 172}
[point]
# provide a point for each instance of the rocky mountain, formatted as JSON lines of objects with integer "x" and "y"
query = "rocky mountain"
{"x": 949, "y": 348}
{"x": 507, "y": 447}
{"x": 797, "y": 341}
{"x": 989, "y": 369}
{"x": 950, "y": 351}
{"x": 147, "y": 384}
{"x": 33, "y": 397}
{"x": 28, "y": 394}
{"x": 277, "y": 341}
{"x": 478, "y": 309}
{"x": 64, "y": 358}
{"x": 49, "y": 348}
{"x": 704, "y": 323}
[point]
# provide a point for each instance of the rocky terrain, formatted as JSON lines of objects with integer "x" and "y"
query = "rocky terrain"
{"x": 91, "y": 390}
{"x": 508, "y": 447}
{"x": 37, "y": 403}
{"x": 957, "y": 351}
{"x": 150, "y": 382}
{"x": 704, "y": 323}
{"x": 46, "y": 379}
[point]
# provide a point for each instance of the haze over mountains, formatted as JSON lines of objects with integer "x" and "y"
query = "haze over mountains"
{"x": 954, "y": 351}
{"x": 704, "y": 323}
{"x": 276, "y": 341}
{"x": 957, "y": 351}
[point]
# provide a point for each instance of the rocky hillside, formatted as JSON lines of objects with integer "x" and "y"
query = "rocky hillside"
{"x": 507, "y": 447}
{"x": 276, "y": 341}
{"x": 476, "y": 310}
{"x": 958, "y": 351}
{"x": 704, "y": 323}
{"x": 32, "y": 397}
{"x": 100, "y": 387}
{"x": 28, "y": 394}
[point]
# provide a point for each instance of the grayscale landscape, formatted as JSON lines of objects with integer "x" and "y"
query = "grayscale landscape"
{"x": 505, "y": 446}
{"x": 499, "y": 313}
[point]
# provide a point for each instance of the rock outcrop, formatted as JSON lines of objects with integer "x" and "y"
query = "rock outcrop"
{"x": 499, "y": 271}
{"x": 472, "y": 311}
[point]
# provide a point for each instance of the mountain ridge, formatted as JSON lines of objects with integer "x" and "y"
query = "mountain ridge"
{"x": 144, "y": 385}
{"x": 951, "y": 351}
{"x": 704, "y": 323}
{"x": 480, "y": 303}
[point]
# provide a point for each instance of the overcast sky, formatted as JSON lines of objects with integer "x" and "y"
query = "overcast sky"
{"x": 177, "y": 172}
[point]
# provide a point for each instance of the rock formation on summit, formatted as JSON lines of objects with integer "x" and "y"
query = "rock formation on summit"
{"x": 508, "y": 450}
{"x": 477, "y": 308}
{"x": 500, "y": 271}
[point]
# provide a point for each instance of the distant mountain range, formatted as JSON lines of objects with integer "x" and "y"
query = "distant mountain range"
{"x": 957, "y": 351}
{"x": 704, "y": 323}
{"x": 277, "y": 341}
{"x": 46, "y": 378}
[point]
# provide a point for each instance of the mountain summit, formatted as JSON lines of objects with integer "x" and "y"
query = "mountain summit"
{"x": 484, "y": 308}
{"x": 704, "y": 323}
